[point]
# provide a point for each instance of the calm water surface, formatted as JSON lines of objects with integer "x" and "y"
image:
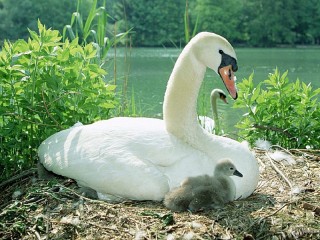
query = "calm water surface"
{"x": 148, "y": 70}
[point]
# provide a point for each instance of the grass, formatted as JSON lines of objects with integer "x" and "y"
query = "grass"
{"x": 56, "y": 210}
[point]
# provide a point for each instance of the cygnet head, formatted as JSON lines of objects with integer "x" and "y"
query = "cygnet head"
{"x": 217, "y": 53}
{"x": 226, "y": 167}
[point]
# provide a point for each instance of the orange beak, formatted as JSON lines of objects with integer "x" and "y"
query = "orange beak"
{"x": 228, "y": 79}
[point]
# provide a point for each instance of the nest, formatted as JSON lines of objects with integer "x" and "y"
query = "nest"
{"x": 285, "y": 205}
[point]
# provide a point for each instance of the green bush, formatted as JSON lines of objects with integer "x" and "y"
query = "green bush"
{"x": 282, "y": 112}
{"x": 46, "y": 85}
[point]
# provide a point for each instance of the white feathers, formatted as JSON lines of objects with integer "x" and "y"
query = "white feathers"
{"x": 295, "y": 190}
{"x": 77, "y": 124}
{"x": 207, "y": 123}
{"x": 263, "y": 144}
{"x": 280, "y": 156}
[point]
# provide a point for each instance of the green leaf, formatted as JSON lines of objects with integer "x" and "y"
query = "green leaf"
{"x": 167, "y": 219}
{"x": 89, "y": 20}
{"x": 34, "y": 35}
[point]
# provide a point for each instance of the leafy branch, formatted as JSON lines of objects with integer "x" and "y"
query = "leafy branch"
{"x": 282, "y": 112}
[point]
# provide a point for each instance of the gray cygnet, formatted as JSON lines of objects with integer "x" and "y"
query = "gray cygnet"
{"x": 204, "y": 192}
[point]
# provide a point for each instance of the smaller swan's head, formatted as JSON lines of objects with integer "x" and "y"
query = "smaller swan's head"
{"x": 217, "y": 53}
{"x": 226, "y": 167}
{"x": 218, "y": 93}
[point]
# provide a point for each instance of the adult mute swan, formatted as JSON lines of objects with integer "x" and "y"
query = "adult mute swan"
{"x": 209, "y": 124}
{"x": 143, "y": 158}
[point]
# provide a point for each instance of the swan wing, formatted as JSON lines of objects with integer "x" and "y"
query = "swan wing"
{"x": 116, "y": 156}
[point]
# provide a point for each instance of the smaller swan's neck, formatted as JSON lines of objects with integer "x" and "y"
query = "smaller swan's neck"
{"x": 215, "y": 114}
{"x": 180, "y": 101}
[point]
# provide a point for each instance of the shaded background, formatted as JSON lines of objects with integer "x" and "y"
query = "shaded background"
{"x": 255, "y": 23}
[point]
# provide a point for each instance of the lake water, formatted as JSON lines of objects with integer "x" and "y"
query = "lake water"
{"x": 148, "y": 70}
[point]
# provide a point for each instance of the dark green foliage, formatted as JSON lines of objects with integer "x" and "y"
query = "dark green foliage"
{"x": 46, "y": 85}
{"x": 154, "y": 23}
{"x": 282, "y": 112}
{"x": 19, "y": 15}
{"x": 261, "y": 23}
{"x": 220, "y": 16}
{"x": 160, "y": 22}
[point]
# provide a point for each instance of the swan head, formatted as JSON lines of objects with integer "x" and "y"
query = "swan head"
{"x": 216, "y": 53}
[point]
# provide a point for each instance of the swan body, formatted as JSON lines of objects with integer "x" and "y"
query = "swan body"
{"x": 143, "y": 158}
{"x": 208, "y": 123}
{"x": 204, "y": 192}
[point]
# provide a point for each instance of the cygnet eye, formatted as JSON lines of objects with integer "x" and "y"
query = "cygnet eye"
{"x": 231, "y": 168}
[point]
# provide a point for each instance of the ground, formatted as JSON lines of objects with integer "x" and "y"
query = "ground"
{"x": 284, "y": 206}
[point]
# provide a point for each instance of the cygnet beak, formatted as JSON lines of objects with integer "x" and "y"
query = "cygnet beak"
{"x": 237, "y": 173}
{"x": 224, "y": 99}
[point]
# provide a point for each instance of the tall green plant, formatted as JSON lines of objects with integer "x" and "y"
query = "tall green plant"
{"x": 46, "y": 85}
{"x": 187, "y": 32}
{"x": 282, "y": 112}
{"x": 93, "y": 29}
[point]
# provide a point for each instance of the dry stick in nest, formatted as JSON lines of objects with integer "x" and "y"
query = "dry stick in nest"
{"x": 269, "y": 215}
{"x": 279, "y": 171}
{"x": 311, "y": 153}
{"x": 24, "y": 174}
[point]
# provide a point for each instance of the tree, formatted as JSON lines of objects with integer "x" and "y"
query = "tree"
{"x": 312, "y": 14}
{"x": 270, "y": 22}
{"x": 19, "y": 15}
{"x": 221, "y": 17}
{"x": 154, "y": 23}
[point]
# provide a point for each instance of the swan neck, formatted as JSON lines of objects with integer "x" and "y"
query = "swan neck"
{"x": 215, "y": 113}
{"x": 180, "y": 102}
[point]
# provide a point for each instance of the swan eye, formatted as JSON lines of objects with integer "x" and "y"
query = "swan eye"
{"x": 220, "y": 51}
{"x": 232, "y": 168}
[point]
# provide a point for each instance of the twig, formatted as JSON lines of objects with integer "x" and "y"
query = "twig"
{"x": 38, "y": 237}
{"x": 19, "y": 117}
{"x": 16, "y": 177}
{"x": 279, "y": 171}
{"x": 103, "y": 227}
{"x": 269, "y": 215}
{"x": 81, "y": 196}
{"x": 47, "y": 110}
{"x": 260, "y": 161}
{"x": 35, "y": 199}
{"x": 306, "y": 150}
{"x": 283, "y": 149}
{"x": 312, "y": 153}
{"x": 276, "y": 211}
{"x": 311, "y": 207}
{"x": 275, "y": 129}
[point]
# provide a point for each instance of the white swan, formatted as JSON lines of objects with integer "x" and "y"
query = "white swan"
{"x": 209, "y": 124}
{"x": 143, "y": 158}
